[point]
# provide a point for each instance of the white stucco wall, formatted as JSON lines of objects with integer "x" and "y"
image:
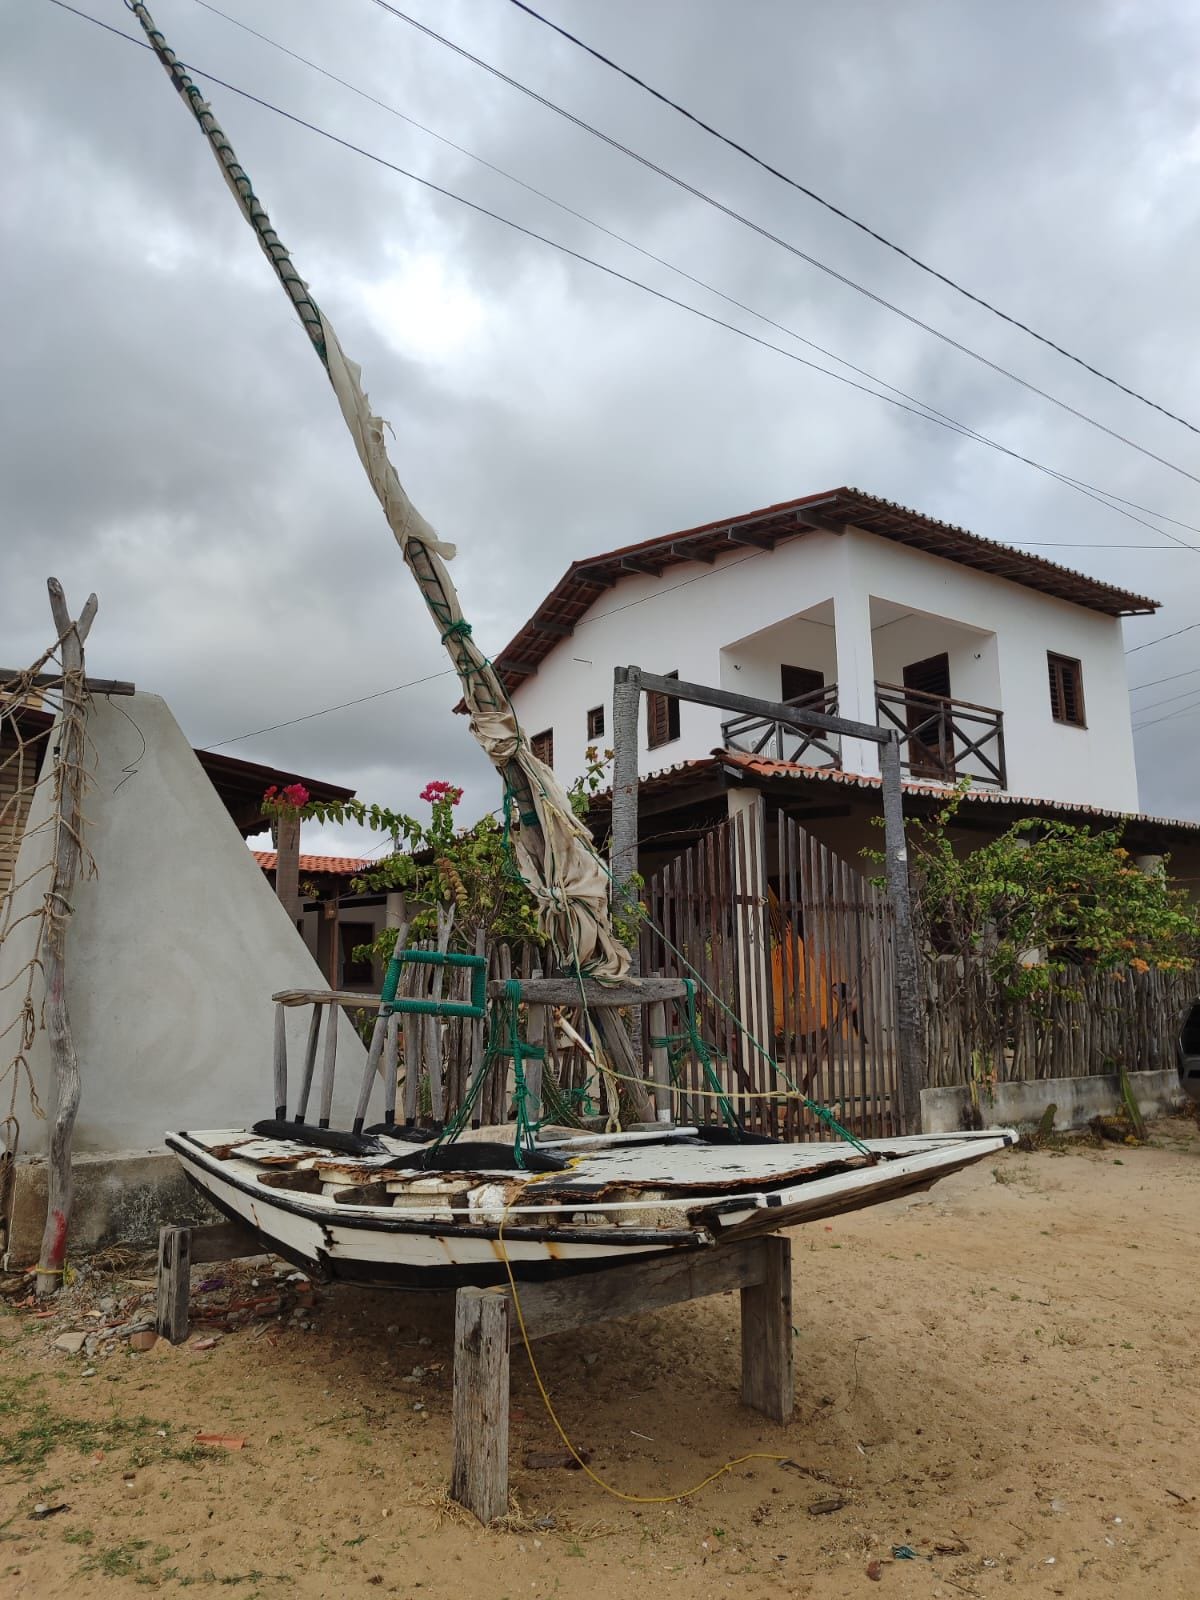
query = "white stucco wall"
{"x": 173, "y": 952}
{"x": 708, "y": 623}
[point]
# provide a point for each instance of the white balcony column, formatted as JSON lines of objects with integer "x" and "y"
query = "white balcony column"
{"x": 855, "y": 673}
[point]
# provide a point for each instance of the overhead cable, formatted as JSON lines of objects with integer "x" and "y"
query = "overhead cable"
{"x": 774, "y": 238}
{"x": 855, "y": 222}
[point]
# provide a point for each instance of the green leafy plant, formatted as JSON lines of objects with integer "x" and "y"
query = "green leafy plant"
{"x": 1044, "y": 899}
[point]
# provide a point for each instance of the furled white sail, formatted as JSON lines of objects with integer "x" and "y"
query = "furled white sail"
{"x": 553, "y": 851}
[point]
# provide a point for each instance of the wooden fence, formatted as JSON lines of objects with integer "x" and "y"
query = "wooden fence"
{"x": 794, "y": 950}
{"x": 1086, "y": 1023}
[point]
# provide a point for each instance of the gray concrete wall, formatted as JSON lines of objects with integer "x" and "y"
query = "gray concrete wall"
{"x": 1077, "y": 1101}
{"x": 173, "y": 952}
{"x": 119, "y": 1199}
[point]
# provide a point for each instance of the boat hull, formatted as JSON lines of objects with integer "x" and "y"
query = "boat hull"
{"x": 372, "y": 1246}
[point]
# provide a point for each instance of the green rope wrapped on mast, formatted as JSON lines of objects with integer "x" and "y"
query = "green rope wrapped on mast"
{"x": 554, "y": 852}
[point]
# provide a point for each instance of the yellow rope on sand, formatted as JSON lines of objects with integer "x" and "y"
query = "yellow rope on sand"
{"x": 618, "y": 1494}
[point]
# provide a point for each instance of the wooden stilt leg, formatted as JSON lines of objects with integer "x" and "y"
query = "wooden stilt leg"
{"x": 768, "y": 1380}
{"x": 479, "y": 1480}
{"x": 174, "y": 1283}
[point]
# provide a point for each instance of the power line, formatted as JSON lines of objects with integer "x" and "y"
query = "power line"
{"x": 1162, "y": 638}
{"x": 1153, "y": 705}
{"x": 308, "y": 716}
{"x": 701, "y": 283}
{"x": 1171, "y": 678}
{"x": 1170, "y": 716}
{"x": 775, "y": 238}
{"x": 916, "y": 409}
{"x": 855, "y": 222}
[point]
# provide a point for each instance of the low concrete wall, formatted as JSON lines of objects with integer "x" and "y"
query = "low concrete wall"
{"x": 1077, "y": 1101}
{"x": 119, "y": 1199}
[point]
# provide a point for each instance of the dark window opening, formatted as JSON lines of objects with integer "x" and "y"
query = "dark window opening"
{"x": 797, "y": 681}
{"x": 542, "y": 745}
{"x": 1066, "y": 690}
{"x": 662, "y": 717}
{"x": 930, "y": 731}
{"x": 595, "y": 722}
{"x": 350, "y": 936}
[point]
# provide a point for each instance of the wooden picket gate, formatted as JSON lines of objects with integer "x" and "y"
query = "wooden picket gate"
{"x": 796, "y": 945}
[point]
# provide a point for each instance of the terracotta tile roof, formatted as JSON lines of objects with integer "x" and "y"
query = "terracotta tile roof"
{"x": 345, "y": 866}
{"x": 834, "y": 510}
{"x": 739, "y": 762}
{"x": 761, "y": 767}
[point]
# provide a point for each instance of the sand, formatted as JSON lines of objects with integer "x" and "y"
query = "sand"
{"x": 1004, "y": 1366}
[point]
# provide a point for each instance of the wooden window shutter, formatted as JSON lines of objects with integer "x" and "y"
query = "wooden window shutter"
{"x": 1066, "y": 690}
{"x": 662, "y": 718}
{"x": 542, "y": 745}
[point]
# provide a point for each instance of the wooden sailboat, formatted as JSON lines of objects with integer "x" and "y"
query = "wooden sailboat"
{"x": 379, "y": 1207}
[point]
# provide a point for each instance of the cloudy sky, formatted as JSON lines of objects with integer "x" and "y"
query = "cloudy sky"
{"x": 168, "y": 439}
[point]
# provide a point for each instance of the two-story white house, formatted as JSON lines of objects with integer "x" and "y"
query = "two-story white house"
{"x": 995, "y": 664}
{"x": 992, "y": 663}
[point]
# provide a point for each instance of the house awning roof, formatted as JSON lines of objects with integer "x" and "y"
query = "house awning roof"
{"x": 337, "y": 866}
{"x": 785, "y": 778}
{"x": 833, "y": 510}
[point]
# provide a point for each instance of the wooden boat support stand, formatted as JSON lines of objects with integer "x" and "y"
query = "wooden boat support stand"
{"x": 486, "y": 1328}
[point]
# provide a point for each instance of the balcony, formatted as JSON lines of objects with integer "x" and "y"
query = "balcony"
{"x": 759, "y": 736}
{"x": 944, "y": 738}
{"x": 941, "y": 737}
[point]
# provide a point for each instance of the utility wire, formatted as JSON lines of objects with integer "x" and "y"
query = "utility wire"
{"x": 774, "y": 238}
{"x": 846, "y": 216}
{"x": 1162, "y": 638}
{"x": 1092, "y": 492}
{"x": 681, "y": 272}
{"x": 1169, "y": 717}
{"x": 1171, "y": 678}
{"x": 447, "y": 672}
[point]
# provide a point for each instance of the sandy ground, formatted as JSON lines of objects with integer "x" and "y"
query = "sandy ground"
{"x": 1007, "y": 1364}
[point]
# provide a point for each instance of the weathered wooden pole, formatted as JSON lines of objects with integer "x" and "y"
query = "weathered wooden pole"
{"x": 287, "y": 864}
{"x": 623, "y": 851}
{"x": 910, "y": 1017}
{"x": 68, "y": 794}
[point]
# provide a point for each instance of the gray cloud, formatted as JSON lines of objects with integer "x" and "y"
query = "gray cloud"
{"x": 169, "y": 440}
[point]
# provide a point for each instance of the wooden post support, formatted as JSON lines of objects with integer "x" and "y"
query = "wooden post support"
{"x": 181, "y": 1249}
{"x": 174, "y": 1283}
{"x": 479, "y": 1480}
{"x": 69, "y": 757}
{"x": 287, "y": 865}
{"x": 768, "y": 1380}
{"x": 485, "y": 1323}
{"x": 909, "y": 1012}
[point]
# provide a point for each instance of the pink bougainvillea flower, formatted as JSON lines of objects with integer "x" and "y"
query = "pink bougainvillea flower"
{"x": 296, "y": 795}
{"x": 271, "y": 793}
{"x": 438, "y": 789}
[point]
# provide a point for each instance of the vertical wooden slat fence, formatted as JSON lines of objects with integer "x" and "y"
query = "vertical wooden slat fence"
{"x": 830, "y": 1024}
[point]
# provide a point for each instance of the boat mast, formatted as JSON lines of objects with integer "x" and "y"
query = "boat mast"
{"x": 553, "y": 851}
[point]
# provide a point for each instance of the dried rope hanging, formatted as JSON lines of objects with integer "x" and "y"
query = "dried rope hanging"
{"x": 554, "y": 852}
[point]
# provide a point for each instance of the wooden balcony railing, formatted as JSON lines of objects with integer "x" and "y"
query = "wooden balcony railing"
{"x": 944, "y": 738}
{"x": 759, "y": 736}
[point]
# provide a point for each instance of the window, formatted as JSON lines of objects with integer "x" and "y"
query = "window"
{"x": 350, "y": 936}
{"x": 542, "y": 745}
{"x": 596, "y": 722}
{"x": 1066, "y": 690}
{"x": 797, "y": 681}
{"x": 662, "y": 717}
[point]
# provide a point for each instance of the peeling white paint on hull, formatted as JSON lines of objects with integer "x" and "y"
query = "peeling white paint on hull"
{"x": 610, "y": 1203}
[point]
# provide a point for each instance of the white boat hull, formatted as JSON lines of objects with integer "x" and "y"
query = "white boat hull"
{"x": 645, "y": 1202}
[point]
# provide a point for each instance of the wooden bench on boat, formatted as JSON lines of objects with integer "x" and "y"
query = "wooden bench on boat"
{"x": 486, "y": 1325}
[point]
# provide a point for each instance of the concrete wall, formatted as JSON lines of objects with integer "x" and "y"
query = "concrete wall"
{"x": 693, "y": 618}
{"x": 173, "y": 952}
{"x": 1077, "y": 1101}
